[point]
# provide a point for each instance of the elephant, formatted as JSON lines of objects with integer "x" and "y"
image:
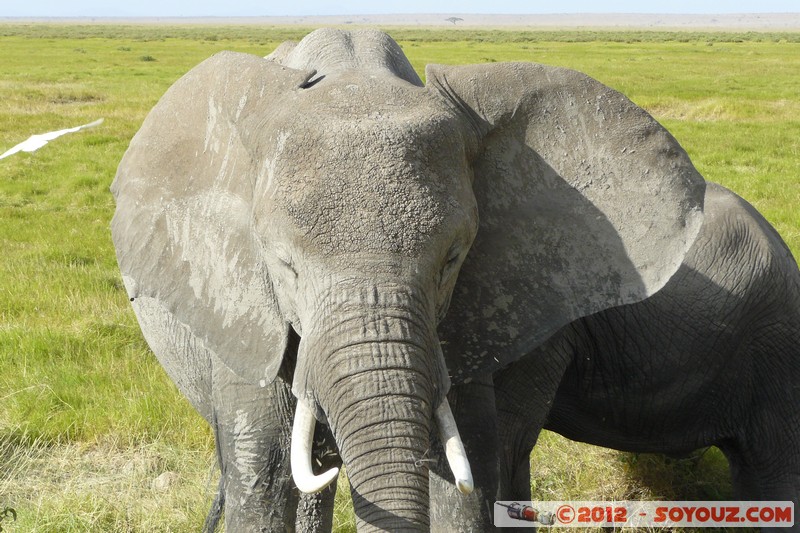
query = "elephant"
{"x": 318, "y": 245}
{"x": 711, "y": 359}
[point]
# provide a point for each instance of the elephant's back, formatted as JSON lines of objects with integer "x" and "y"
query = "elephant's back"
{"x": 329, "y": 50}
{"x": 737, "y": 248}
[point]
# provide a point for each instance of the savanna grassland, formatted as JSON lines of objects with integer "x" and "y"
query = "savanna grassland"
{"x": 93, "y": 436}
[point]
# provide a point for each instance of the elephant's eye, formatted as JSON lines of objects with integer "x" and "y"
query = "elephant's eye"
{"x": 284, "y": 263}
{"x": 450, "y": 265}
{"x": 289, "y": 268}
{"x": 452, "y": 260}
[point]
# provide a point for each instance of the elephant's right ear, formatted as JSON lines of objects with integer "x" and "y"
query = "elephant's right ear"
{"x": 182, "y": 227}
{"x": 585, "y": 203}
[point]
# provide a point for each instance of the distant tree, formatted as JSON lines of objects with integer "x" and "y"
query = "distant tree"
{"x": 453, "y": 19}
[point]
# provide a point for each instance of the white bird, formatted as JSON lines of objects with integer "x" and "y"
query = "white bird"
{"x": 35, "y": 142}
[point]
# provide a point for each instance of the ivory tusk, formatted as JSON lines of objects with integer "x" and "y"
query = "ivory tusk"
{"x": 454, "y": 448}
{"x": 302, "y": 442}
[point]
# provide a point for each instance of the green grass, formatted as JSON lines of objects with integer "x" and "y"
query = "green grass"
{"x": 87, "y": 417}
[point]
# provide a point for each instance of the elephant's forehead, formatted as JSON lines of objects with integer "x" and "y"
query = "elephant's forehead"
{"x": 351, "y": 93}
{"x": 379, "y": 125}
{"x": 380, "y": 180}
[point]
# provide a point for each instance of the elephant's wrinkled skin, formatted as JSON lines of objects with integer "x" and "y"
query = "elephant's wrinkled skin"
{"x": 290, "y": 231}
{"x": 712, "y": 359}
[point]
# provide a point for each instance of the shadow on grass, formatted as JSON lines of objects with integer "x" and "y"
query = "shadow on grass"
{"x": 701, "y": 475}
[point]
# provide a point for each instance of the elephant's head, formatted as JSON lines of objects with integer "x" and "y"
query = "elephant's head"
{"x": 329, "y": 192}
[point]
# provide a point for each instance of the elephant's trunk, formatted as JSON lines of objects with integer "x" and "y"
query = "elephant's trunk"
{"x": 384, "y": 443}
{"x": 377, "y": 374}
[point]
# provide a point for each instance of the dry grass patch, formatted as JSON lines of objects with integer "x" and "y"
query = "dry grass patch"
{"x": 100, "y": 487}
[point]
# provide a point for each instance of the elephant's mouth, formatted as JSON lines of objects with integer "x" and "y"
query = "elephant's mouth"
{"x": 302, "y": 444}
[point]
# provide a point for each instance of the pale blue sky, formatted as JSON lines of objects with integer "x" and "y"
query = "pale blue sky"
{"x": 156, "y": 8}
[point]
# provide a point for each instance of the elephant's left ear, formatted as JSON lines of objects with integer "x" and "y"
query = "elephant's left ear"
{"x": 585, "y": 203}
{"x": 183, "y": 225}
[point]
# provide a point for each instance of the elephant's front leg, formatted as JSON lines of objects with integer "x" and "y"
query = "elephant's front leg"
{"x": 315, "y": 511}
{"x": 524, "y": 394}
{"x": 253, "y": 428}
{"x": 474, "y": 411}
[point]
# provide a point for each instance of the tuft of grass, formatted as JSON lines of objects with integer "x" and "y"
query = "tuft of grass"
{"x": 344, "y": 521}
